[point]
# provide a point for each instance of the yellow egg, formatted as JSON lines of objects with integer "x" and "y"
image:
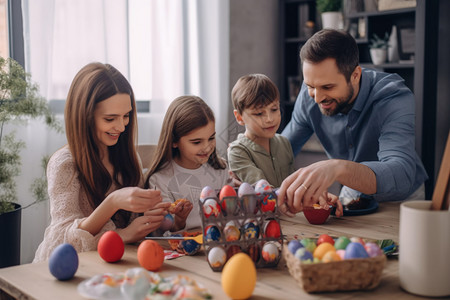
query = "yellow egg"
{"x": 331, "y": 256}
{"x": 323, "y": 248}
{"x": 239, "y": 276}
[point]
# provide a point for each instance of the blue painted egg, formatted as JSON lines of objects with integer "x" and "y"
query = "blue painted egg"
{"x": 190, "y": 247}
{"x": 251, "y": 229}
{"x": 166, "y": 223}
{"x": 212, "y": 233}
{"x": 294, "y": 245}
{"x": 355, "y": 250}
{"x": 302, "y": 254}
{"x": 63, "y": 262}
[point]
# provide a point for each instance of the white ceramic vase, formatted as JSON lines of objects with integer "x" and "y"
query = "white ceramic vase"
{"x": 378, "y": 55}
{"x": 332, "y": 19}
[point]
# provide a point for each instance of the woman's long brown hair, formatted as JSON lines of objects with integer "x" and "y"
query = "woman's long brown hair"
{"x": 184, "y": 114}
{"x": 94, "y": 83}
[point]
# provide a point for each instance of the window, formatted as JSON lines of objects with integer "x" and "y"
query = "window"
{"x": 4, "y": 36}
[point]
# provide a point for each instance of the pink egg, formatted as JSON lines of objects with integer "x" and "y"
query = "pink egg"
{"x": 372, "y": 249}
{"x": 341, "y": 253}
{"x": 207, "y": 192}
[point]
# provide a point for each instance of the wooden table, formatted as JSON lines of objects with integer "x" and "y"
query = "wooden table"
{"x": 34, "y": 281}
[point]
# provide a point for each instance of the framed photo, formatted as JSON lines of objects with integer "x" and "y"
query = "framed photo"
{"x": 406, "y": 42}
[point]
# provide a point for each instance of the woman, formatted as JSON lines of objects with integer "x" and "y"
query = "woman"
{"x": 95, "y": 181}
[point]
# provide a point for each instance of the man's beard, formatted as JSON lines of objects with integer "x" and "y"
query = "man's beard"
{"x": 342, "y": 106}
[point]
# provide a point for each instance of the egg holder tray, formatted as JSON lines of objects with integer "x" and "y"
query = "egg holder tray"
{"x": 261, "y": 209}
{"x": 345, "y": 275}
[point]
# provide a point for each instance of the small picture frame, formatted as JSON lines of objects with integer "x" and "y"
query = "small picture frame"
{"x": 406, "y": 42}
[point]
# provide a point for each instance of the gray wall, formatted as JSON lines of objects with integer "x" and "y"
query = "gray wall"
{"x": 254, "y": 44}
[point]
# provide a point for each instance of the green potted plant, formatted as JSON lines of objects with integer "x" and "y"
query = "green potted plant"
{"x": 19, "y": 101}
{"x": 331, "y": 13}
{"x": 378, "y": 48}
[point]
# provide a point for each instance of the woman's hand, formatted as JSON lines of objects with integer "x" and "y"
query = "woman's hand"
{"x": 135, "y": 199}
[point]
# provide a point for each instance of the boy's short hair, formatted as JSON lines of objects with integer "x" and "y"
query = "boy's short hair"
{"x": 254, "y": 90}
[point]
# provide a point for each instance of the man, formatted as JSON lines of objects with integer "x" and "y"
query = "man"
{"x": 363, "y": 118}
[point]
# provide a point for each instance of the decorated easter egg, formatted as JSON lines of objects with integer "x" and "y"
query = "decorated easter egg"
{"x": 166, "y": 223}
{"x": 251, "y": 229}
{"x": 263, "y": 186}
{"x": 239, "y": 277}
{"x": 217, "y": 257}
{"x": 190, "y": 247}
{"x": 211, "y": 208}
{"x": 293, "y": 245}
{"x": 303, "y": 255}
{"x": 207, "y": 192}
{"x": 268, "y": 203}
{"x": 231, "y": 232}
{"x": 272, "y": 229}
{"x": 323, "y": 248}
{"x": 341, "y": 253}
{"x": 150, "y": 255}
{"x": 355, "y": 250}
{"x": 373, "y": 249}
{"x": 63, "y": 262}
{"x": 309, "y": 244}
{"x": 110, "y": 246}
{"x": 325, "y": 238}
{"x": 232, "y": 250}
{"x": 254, "y": 251}
{"x": 331, "y": 256}
{"x": 270, "y": 252}
{"x": 212, "y": 233}
{"x": 246, "y": 189}
{"x": 341, "y": 242}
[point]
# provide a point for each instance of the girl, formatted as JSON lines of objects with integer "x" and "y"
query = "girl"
{"x": 93, "y": 181}
{"x": 186, "y": 159}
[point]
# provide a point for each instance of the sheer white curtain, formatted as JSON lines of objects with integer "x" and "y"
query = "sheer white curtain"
{"x": 166, "y": 48}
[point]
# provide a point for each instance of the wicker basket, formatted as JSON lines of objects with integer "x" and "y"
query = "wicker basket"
{"x": 346, "y": 275}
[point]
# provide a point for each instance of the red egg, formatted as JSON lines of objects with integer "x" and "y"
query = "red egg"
{"x": 272, "y": 229}
{"x": 325, "y": 238}
{"x": 226, "y": 191}
{"x": 110, "y": 246}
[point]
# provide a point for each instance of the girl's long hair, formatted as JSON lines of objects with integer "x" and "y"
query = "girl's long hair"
{"x": 185, "y": 113}
{"x": 94, "y": 83}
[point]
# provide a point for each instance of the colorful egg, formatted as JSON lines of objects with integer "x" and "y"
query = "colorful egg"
{"x": 272, "y": 229}
{"x": 231, "y": 232}
{"x": 325, "y": 238}
{"x": 212, "y": 233}
{"x": 268, "y": 203}
{"x": 207, "y": 192}
{"x": 270, "y": 252}
{"x": 263, "y": 186}
{"x": 294, "y": 245}
{"x": 251, "y": 229}
{"x": 309, "y": 244}
{"x": 373, "y": 249}
{"x": 341, "y": 242}
{"x": 211, "y": 208}
{"x": 254, "y": 252}
{"x": 63, "y": 262}
{"x": 303, "y": 255}
{"x": 166, "y": 223}
{"x": 190, "y": 247}
{"x": 323, "y": 248}
{"x": 341, "y": 253}
{"x": 331, "y": 256}
{"x": 246, "y": 189}
{"x": 355, "y": 250}
{"x": 357, "y": 240}
{"x": 217, "y": 257}
{"x": 110, "y": 246}
{"x": 232, "y": 250}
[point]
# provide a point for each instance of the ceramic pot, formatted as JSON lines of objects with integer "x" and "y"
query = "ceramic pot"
{"x": 10, "y": 236}
{"x": 378, "y": 55}
{"x": 332, "y": 19}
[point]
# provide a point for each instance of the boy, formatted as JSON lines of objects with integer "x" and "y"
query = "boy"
{"x": 259, "y": 153}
